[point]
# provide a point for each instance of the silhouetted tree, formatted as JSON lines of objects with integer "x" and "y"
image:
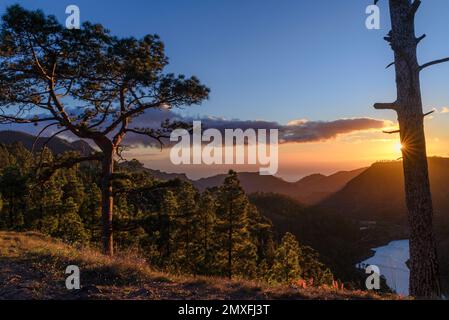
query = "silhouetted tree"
{"x": 424, "y": 269}
{"x": 89, "y": 83}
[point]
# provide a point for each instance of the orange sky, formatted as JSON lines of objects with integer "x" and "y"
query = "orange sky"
{"x": 346, "y": 152}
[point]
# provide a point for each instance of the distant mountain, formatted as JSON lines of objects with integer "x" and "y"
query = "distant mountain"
{"x": 317, "y": 187}
{"x": 56, "y": 145}
{"x": 136, "y": 166}
{"x": 378, "y": 192}
{"x": 309, "y": 190}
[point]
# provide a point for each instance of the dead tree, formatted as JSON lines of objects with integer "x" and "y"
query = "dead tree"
{"x": 424, "y": 268}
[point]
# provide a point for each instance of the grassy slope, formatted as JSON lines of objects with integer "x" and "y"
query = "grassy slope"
{"x": 32, "y": 267}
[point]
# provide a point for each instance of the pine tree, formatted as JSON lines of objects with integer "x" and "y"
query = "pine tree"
{"x": 169, "y": 212}
{"x": 71, "y": 228}
{"x": 312, "y": 268}
{"x": 90, "y": 211}
{"x": 205, "y": 239}
{"x": 121, "y": 78}
{"x": 73, "y": 187}
{"x": 286, "y": 267}
{"x": 261, "y": 232}
{"x": 236, "y": 252}
{"x": 45, "y": 200}
{"x": 188, "y": 226}
{"x": 13, "y": 187}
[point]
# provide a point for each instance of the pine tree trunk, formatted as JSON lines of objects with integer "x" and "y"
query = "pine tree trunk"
{"x": 424, "y": 280}
{"x": 424, "y": 277}
{"x": 230, "y": 243}
{"x": 11, "y": 212}
{"x": 107, "y": 203}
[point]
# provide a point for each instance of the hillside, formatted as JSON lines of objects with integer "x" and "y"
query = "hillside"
{"x": 56, "y": 145}
{"x": 32, "y": 267}
{"x": 376, "y": 199}
{"x": 378, "y": 193}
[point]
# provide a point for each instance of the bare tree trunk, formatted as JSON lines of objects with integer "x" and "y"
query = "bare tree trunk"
{"x": 230, "y": 243}
{"x": 424, "y": 274}
{"x": 107, "y": 203}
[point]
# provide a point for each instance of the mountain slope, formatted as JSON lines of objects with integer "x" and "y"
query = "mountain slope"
{"x": 56, "y": 145}
{"x": 378, "y": 192}
{"x": 317, "y": 187}
{"x": 32, "y": 267}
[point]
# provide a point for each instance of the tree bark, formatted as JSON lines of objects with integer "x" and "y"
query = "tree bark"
{"x": 107, "y": 197}
{"x": 230, "y": 242}
{"x": 107, "y": 203}
{"x": 424, "y": 269}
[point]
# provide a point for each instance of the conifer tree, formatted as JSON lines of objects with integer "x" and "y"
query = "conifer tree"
{"x": 71, "y": 228}
{"x": 234, "y": 239}
{"x": 113, "y": 81}
{"x": 206, "y": 236}
{"x": 13, "y": 187}
{"x": 312, "y": 268}
{"x": 169, "y": 212}
{"x": 90, "y": 211}
{"x": 188, "y": 222}
{"x": 73, "y": 187}
{"x": 261, "y": 232}
{"x": 286, "y": 266}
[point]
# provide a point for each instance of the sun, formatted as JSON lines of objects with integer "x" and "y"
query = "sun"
{"x": 398, "y": 147}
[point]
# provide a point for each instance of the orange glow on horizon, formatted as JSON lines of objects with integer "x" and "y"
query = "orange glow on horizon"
{"x": 346, "y": 152}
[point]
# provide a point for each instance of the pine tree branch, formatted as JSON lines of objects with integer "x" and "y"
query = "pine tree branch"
{"x": 418, "y": 40}
{"x": 49, "y": 170}
{"x": 392, "y": 132}
{"x": 13, "y": 119}
{"x": 428, "y": 113}
{"x": 414, "y": 8}
{"x": 431, "y": 63}
{"x": 40, "y": 133}
{"x": 386, "y": 106}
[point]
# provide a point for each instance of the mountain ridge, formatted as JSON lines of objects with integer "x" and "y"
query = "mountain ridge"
{"x": 378, "y": 192}
{"x": 56, "y": 145}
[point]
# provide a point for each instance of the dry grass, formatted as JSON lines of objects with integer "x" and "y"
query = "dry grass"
{"x": 32, "y": 266}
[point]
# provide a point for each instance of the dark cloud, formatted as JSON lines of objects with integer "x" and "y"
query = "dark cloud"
{"x": 299, "y": 131}
{"x": 310, "y": 131}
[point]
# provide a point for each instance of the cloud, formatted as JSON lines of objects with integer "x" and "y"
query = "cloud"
{"x": 444, "y": 110}
{"x": 312, "y": 131}
{"x": 296, "y": 131}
